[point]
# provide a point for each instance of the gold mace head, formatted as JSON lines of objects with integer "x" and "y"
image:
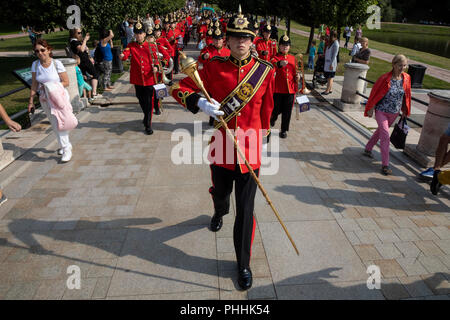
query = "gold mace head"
{"x": 189, "y": 67}
{"x": 188, "y": 64}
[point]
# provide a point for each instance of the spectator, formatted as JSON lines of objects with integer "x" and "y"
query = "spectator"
{"x": 79, "y": 47}
{"x": 94, "y": 45}
{"x": 331, "y": 53}
{"x": 356, "y": 48}
{"x": 321, "y": 45}
{"x": 34, "y": 35}
{"x": 358, "y": 33}
{"x": 130, "y": 32}
{"x": 312, "y": 54}
{"x": 84, "y": 89}
{"x": 363, "y": 55}
{"x": 321, "y": 31}
{"x": 148, "y": 22}
{"x": 390, "y": 94}
{"x": 442, "y": 158}
{"x": 105, "y": 46}
{"x": 348, "y": 33}
{"x": 12, "y": 125}
{"x": 123, "y": 26}
{"x": 44, "y": 70}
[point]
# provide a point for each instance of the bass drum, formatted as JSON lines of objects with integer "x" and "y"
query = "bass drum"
{"x": 168, "y": 69}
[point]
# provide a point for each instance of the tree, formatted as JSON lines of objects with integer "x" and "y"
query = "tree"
{"x": 48, "y": 14}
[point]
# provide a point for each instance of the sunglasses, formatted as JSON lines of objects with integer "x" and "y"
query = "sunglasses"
{"x": 41, "y": 50}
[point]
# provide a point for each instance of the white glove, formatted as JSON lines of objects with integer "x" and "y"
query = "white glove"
{"x": 211, "y": 109}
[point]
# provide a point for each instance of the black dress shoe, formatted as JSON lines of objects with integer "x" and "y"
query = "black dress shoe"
{"x": 245, "y": 278}
{"x": 216, "y": 223}
{"x": 157, "y": 111}
{"x": 283, "y": 134}
{"x": 148, "y": 131}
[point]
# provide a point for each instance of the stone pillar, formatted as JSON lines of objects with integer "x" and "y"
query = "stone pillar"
{"x": 70, "y": 64}
{"x": 349, "y": 99}
{"x": 436, "y": 121}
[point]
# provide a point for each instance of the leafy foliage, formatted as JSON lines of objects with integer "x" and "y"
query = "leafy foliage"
{"x": 48, "y": 14}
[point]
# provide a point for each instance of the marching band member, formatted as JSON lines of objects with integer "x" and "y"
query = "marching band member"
{"x": 163, "y": 56}
{"x": 246, "y": 84}
{"x": 215, "y": 49}
{"x": 143, "y": 70}
{"x": 286, "y": 85}
{"x": 266, "y": 47}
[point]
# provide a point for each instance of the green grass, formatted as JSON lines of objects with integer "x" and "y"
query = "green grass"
{"x": 17, "y": 101}
{"x": 58, "y": 40}
{"x": 424, "y": 57}
{"x": 377, "y": 66}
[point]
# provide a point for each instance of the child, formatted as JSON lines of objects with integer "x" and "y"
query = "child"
{"x": 95, "y": 45}
{"x": 312, "y": 54}
{"x": 82, "y": 85}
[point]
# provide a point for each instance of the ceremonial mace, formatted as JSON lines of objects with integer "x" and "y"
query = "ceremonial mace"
{"x": 189, "y": 67}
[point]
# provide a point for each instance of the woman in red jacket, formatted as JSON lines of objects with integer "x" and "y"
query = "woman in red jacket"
{"x": 390, "y": 94}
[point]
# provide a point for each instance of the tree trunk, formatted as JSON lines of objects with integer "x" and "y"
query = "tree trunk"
{"x": 311, "y": 37}
{"x": 288, "y": 27}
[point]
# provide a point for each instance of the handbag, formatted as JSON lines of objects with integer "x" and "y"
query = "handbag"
{"x": 398, "y": 136}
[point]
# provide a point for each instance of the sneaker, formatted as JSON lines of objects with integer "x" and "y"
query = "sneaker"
{"x": 67, "y": 155}
{"x": 427, "y": 173}
{"x": 385, "y": 170}
{"x": 368, "y": 153}
{"x": 3, "y": 199}
{"x": 60, "y": 151}
{"x": 435, "y": 185}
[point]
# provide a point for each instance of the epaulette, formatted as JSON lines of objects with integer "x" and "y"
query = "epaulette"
{"x": 264, "y": 61}
{"x": 219, "y": 58}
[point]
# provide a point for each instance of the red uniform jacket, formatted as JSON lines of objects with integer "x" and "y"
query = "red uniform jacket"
{"x": 270, "y": 46}
{"x": 251, "y": 123}
{"x": 165, "y": 45}
{"x": 170, "y": 36}
{"x": 382, "y": 86}
{"x": 213, "y": 51}
{"x": 141, "y": 69}
{"x": 285, "y": 76}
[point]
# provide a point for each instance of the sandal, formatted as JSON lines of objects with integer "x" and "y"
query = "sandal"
{"x": 385, "y": 170}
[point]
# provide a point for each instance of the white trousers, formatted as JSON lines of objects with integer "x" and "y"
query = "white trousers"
{"x": 61, "y": 136}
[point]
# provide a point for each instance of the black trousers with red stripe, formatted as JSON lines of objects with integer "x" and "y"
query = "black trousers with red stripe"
{"x": 145, "y": 95}
{"x": 245, "y": 191}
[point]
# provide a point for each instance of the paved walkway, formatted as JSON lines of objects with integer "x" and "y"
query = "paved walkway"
{"x": 436, "y": 72}
{"x": 137, "y": 224}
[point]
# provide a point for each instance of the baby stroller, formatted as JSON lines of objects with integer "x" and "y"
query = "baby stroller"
{"x": 318, "y": 75}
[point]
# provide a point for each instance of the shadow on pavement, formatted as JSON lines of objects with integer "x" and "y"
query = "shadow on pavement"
{"x": 314, "y": 286}
{"x": 120, "y": 237}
